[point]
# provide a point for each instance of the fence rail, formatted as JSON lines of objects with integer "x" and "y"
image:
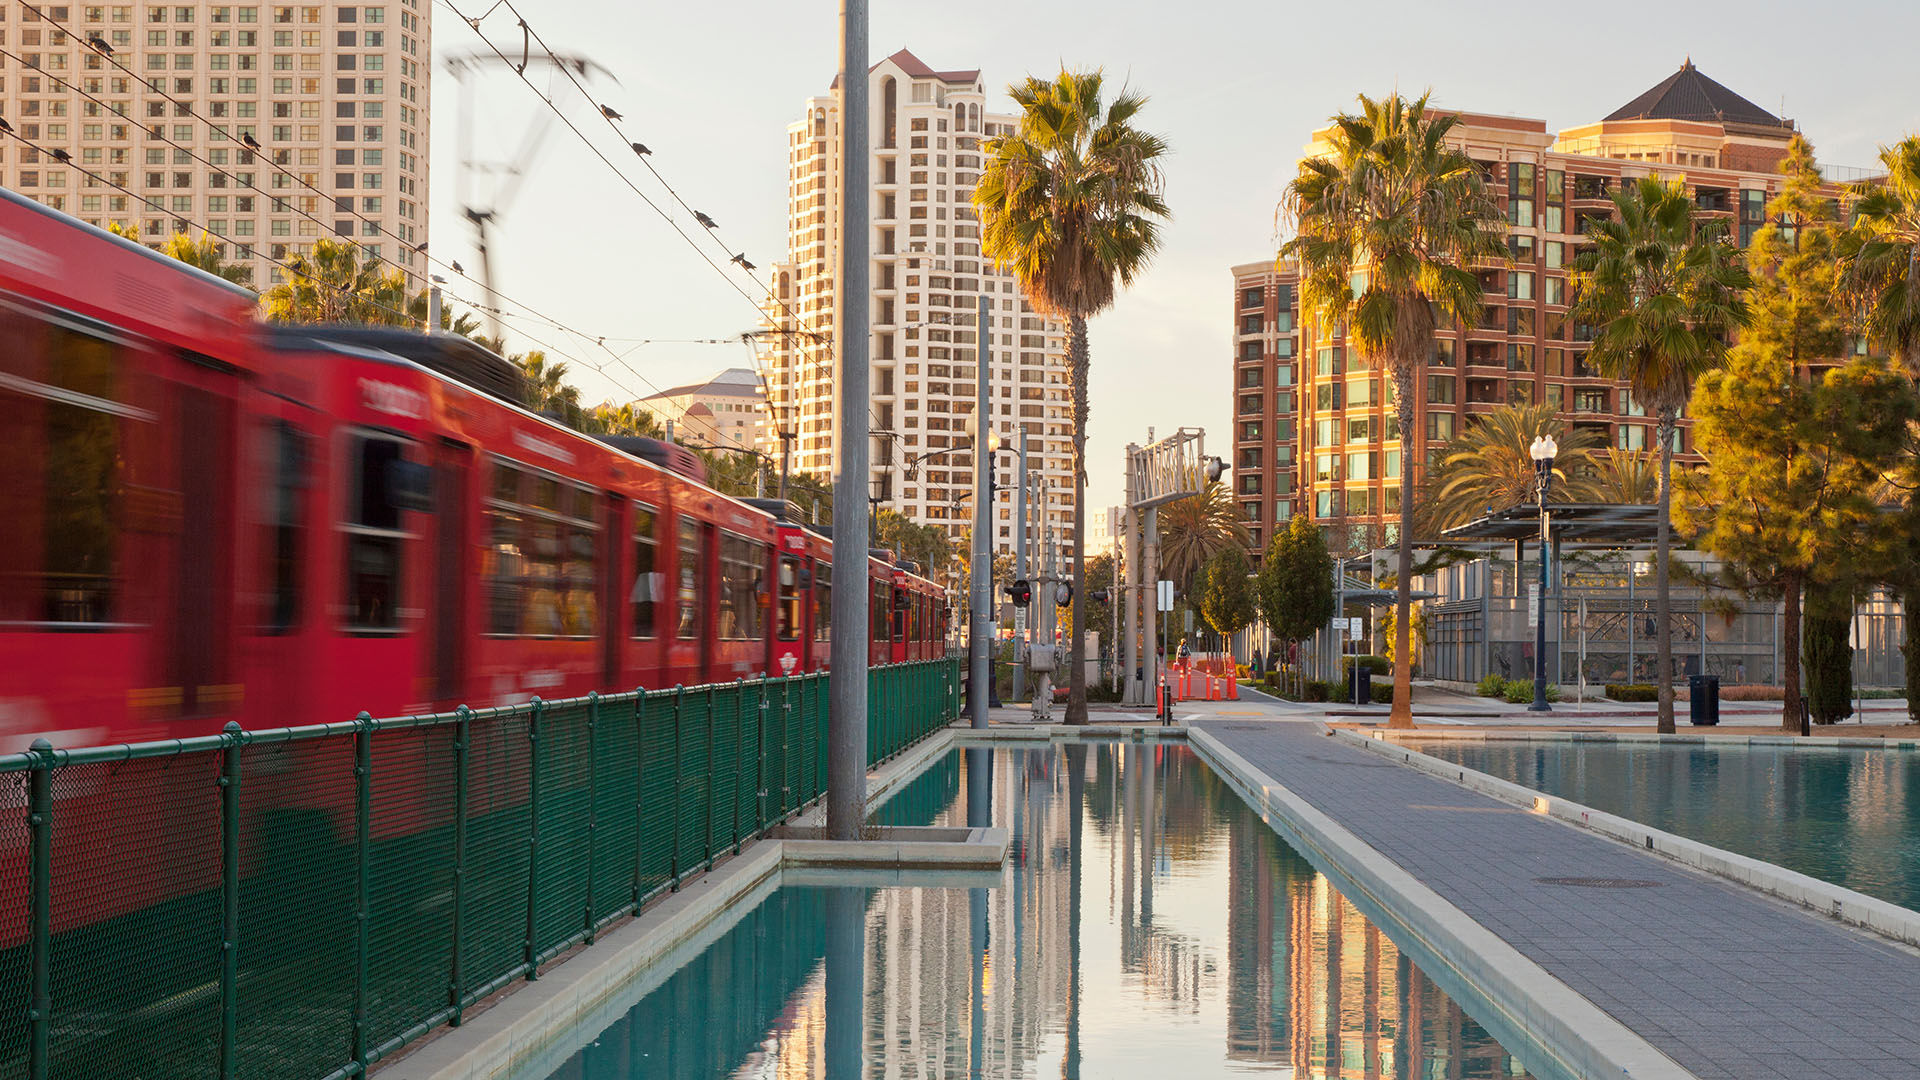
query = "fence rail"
{"x": 305, "y": 901}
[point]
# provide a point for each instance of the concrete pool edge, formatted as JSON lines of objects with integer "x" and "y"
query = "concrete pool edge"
{"x": 577, "y": 997}
{"x": 1855, "y": 909}
{"x": 1582, "y": 1038}
{"x": 1650, "y": 738}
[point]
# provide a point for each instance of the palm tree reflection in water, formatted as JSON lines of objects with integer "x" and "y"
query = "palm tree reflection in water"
{"x": 1147, "y": 924}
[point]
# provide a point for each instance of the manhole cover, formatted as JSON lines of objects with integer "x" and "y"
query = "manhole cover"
{"x": 1600, "y": 882}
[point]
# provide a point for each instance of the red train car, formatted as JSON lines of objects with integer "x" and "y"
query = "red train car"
{"x": 210, "y": 519}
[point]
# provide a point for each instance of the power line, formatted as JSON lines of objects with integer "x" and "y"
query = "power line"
{"x": 261, "y": 152}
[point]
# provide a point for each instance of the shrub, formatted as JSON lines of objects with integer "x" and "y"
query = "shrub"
{"x": 1828, "y": 671}
{"x": 1379, "y": 665}
{"x": 1383, "y": 693}
{"x": 1633, "y": 692}
{"x": 1316, "y": 690}
{"x": 1491, "y": 686}
{"x": 1746, "y": 692}
{"x": 1520, "y": 691}
{"x": 1241, "y": 671}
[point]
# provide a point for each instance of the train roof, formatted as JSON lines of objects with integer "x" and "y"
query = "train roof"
{"x": 94, "y": 232}
{"x": 461, "y": 359}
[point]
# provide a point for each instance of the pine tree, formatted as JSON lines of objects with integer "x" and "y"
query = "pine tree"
{"x": 1797, "y": 441}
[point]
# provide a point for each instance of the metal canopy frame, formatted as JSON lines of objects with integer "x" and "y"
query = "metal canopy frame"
{"x": 1614, "y": 524}
{"x": 1168, "y": 470}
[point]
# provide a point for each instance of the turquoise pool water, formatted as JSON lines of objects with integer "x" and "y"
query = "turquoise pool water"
{"x": 1147, "y": 925}
{"x": 1851, "y": 817}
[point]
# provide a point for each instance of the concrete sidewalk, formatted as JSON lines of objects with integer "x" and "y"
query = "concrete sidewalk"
{"x": 1727, "y": 982}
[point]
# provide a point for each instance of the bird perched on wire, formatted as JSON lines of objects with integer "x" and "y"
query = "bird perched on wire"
{"x": 4, "y": 126}
{"x": 99, "y": 44}
{"x": 61, "y": 156}
{"x": 744, "y": 264}
{"x": 609, "y": 112}
{"x": 455, "y": 265}
{"x": 640, "y": 149}
{"x": 247, "y": 140}
{"x": 705, "y": 220}
{"x": 422, "y": 246}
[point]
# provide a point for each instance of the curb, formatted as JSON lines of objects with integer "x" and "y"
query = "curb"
{"x": 1583, "y": 1039}
{"x": 1686, "y": 738}
{"x": 1822, "y": 897}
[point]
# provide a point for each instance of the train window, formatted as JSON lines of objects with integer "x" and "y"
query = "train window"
{"x": 877, "y": 611}
{"x": 790, "y": 594}
{"x": 692, "y": 572}
{"x": 822, "y": 601}
{"x": 285, "y": 523}
{"x": 373, "y": 578}
{"x": 899, "y": 614}
{"x": 61, "y": 409}
{"x": 542, "y": 557}
{"x": 646, "y": 573}
{"x": 742, "y": 587}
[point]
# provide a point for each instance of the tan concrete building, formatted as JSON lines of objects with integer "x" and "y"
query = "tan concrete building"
{"x": 1313, "y": 419}
{"x": 928, "y": 277}
{"x": 728, "y": 410}
{"x": 335, "y": 93}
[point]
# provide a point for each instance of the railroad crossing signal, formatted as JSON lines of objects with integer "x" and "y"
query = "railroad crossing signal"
{"x": 1021, "y": 593}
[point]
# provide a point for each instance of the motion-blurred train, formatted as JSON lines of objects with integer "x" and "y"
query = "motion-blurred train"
{"x": 207, "y": 518}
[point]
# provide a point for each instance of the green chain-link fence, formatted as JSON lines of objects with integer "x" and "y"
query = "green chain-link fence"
{"x": 304, "y": 901}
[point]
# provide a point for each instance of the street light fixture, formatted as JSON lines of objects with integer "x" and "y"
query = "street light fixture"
{"x": 1542, "y": 452}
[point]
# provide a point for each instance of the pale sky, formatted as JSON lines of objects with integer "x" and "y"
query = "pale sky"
{"x": 1236, "y": 88}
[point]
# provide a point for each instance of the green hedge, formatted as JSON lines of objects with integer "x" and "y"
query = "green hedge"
{"x": 1491, "y": 686}
{"x": 1379, "y": 665}
{"x": 1633, "y": 692}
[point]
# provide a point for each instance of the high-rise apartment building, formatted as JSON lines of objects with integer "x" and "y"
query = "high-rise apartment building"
{"x": 1314, "y": 418}
{"x": 156, "y": 98}
{"x": 928, "y": 277}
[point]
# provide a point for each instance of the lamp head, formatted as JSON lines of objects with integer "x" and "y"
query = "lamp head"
{"x": 1544, "y": 449}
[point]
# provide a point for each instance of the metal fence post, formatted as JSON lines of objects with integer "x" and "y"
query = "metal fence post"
{"x": 639, "y": 793}
{"x": 40, "y": 977}
{"x": 706, "y": 792}
{"x": 679, "y": 779}
{"x": 593, "y": 798}
{"x": 230, "y": 902}
{"x": 533, "y": 834}
{"x": 462, "y": 738}
{"x": 363, "y": 888}
{"x": 760, "y": 761}
{"x": 739, "y": 747}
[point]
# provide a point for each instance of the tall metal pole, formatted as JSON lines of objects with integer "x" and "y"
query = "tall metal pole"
{"x": 847, "y": 683}
{"x": 1150, "y": 584}
{"x": 1022, "y": 624}
{"x": 1545, "y": 468}
{"x": 1129, "y": 642}
{"x": 980, "y": 587}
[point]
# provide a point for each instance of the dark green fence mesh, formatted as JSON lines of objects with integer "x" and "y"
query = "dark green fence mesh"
{"x": 302, "y": 902}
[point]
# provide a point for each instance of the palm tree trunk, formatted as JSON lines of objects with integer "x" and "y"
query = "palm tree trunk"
{"x": 1663, "y": 598}
{"x": 1402, "y": 715}
{"x": 1790, "y": 654}
{"x": 1077, "y": 674}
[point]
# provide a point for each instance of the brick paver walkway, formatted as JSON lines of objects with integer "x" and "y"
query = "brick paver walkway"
{"x": 1727, "y": 982}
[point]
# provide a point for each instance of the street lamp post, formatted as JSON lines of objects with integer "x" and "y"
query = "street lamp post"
{"x": 1542, "y": 451}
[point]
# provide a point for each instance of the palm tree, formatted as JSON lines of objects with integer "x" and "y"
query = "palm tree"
{"x": 1071, "y": 202}
{"x": 1625, "y": 477}
{"x": 1661, "y": 290}
{"x": 333, "y": 283}
{"x": 1488, "y": 466}
{"x": 1195, "y": 529}
{"x": 1882, "y": 256}
{"x": 206, "y": 254}
{"x": 1391, "y": 223}
{"x": 548, "y": 391}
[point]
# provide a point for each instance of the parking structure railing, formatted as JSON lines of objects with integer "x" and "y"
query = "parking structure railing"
{"x": 305, "y": 901}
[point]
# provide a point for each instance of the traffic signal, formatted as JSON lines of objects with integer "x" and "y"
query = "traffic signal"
{"x": 1100, "y": 596}
{"x": 1063, "y": 594}
{"x": 1216, "y": 468}
{"x": 1021, "y": 593}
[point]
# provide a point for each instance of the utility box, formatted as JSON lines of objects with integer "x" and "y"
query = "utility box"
{"x": 1040, "y": 657}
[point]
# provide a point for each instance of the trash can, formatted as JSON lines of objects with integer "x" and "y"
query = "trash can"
{"x": 1360, "y": 684}
{"x": 1703, "y": 700}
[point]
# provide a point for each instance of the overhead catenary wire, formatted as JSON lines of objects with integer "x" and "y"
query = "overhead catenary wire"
{"x": 264, "y": 155}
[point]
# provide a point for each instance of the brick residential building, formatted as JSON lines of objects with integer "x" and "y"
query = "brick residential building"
{"x": 1313, "y": 419}
{"x": 335, "y": 93}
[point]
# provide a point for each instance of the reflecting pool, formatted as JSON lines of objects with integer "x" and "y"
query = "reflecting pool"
{"x": 1851, "y": 817}
{"x": 1147, "y": 925}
